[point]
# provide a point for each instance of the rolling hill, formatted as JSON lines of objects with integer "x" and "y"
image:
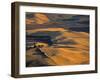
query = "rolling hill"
{"x": 69, "y": 47}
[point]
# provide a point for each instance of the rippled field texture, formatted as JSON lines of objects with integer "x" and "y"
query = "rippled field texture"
{"x": 64, "y": 39}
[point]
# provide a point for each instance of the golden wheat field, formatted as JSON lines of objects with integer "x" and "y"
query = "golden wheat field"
{"x": 69, "y": 48}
